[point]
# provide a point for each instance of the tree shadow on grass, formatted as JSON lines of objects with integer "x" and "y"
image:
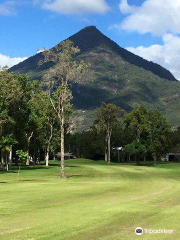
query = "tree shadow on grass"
{"x": 32, "y": 180}
{"x": 142, "y": 164}
{"x": 158, "y": 164}
{"x": 10, "y": 171}
{"x": 58, "y": 164}
{"x": 73, "y": 166}
{"x": 34, "y": 168}
{"x": 75, "y": 176}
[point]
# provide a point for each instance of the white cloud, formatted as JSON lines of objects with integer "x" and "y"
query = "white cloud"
{"x": 8, "y": 61}
{"x": 155, "y": 16}
{"x": 125, "y": 8}
{"x": 8, "y": 8}
{"x": 167, "y": 55}
{"x": 74, "y": 6}
{"x": 158, "y": 17}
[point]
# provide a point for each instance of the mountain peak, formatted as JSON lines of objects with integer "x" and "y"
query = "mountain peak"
{"x": 88, "y": 39}
{"x": 90, "y": 27}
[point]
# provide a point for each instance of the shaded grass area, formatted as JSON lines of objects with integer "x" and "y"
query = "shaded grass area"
{"x": 96, "y": 201}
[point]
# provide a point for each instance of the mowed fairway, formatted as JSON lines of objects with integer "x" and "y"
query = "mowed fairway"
{"x": 96, "y": 201}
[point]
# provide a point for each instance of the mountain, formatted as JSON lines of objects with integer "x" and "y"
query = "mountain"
{"x": 115, "y": 75}
{"x": 88, "y": 39}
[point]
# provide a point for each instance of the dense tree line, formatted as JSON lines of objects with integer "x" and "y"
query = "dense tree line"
{"x": 27, "y": 121}
{"x": 142, "y": 134}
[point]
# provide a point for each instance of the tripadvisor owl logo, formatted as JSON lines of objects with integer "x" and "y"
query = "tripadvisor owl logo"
{"x": 139, "y": 231}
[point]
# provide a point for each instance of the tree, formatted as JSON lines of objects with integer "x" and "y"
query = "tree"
{"x": 159, "y": 134}
{"x": 25, "y": 125}
{"x": 175, "y": 137}
{"x": 137, "y": 122}
{"x": 45, "y": 120}
{"x": 86, "y": 144}
{"x": 136, "y": 149}
{"x": 10, "y": 96}
{"x": 150, "y": 128}
{"x": 22, "y": 156}
{"x": 108, "y": 116}
{"x": 15, "y": 94}
{"x": 58, "y": 77}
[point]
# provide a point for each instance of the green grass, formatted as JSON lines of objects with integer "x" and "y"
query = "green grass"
{"x": 96, "y": 201}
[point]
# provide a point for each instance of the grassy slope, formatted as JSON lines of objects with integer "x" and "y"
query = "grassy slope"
{"x": 95, "y": 202}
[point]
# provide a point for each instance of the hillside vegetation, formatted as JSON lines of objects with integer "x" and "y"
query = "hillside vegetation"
{"x": 115, "y": 75}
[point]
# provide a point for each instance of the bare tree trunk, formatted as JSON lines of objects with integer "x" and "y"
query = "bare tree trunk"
{"x": 48, "y": 148}
{"x": 62, "y": 144}
{"x": 109, "y": 147}
{"x": 29, "y": 139}
{"x": 47, "y": 157}
{"x": 10, "y": 158}
{"x": 7, "y": 163}
{"x": 105, "y": 153}
{"x": 105, "y": 149}
{"x": 28, "y": 159}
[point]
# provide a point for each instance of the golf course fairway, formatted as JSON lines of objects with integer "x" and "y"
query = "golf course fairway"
{"x": 94, "y": 202}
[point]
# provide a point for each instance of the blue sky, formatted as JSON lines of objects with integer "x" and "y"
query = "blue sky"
{"x": 142, "y": 26}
